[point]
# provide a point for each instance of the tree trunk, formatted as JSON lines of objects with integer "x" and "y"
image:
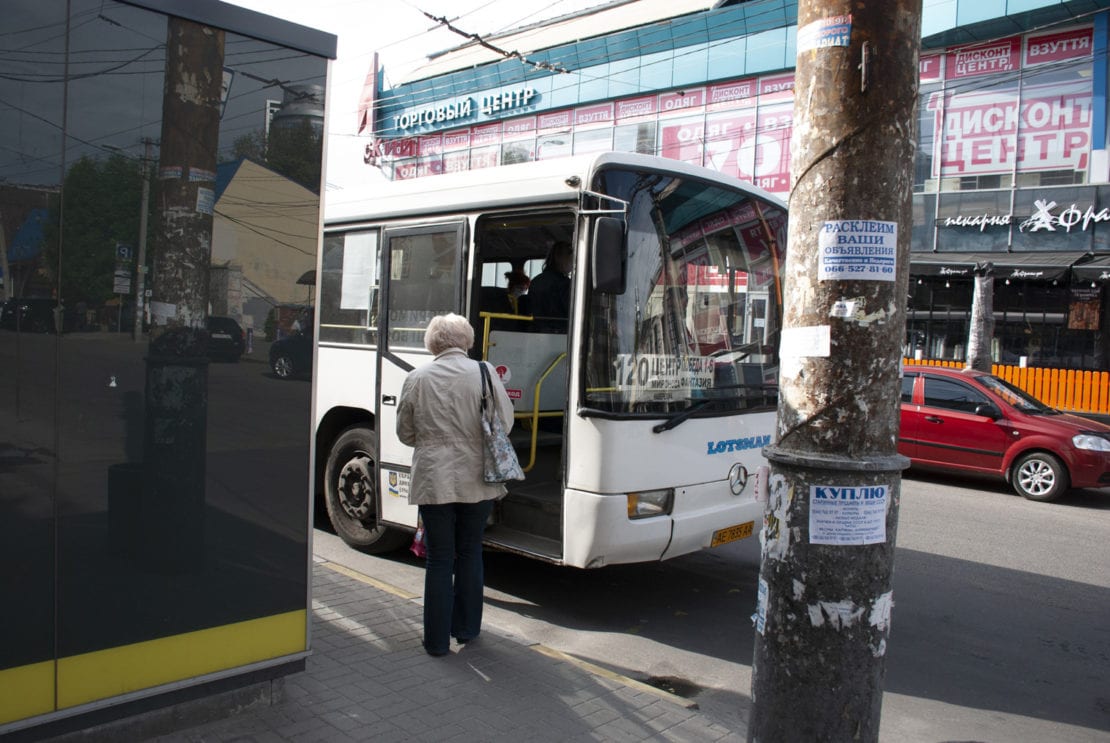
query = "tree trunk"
{"x": 981, "y": 331}
{"x": 829, "y": 527}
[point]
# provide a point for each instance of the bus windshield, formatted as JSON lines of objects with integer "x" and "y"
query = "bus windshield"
{"x": 697, "y": 324}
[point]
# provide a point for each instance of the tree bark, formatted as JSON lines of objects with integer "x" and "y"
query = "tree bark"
{"x": 829, "y": 527}
{"x": 981, "y": 331}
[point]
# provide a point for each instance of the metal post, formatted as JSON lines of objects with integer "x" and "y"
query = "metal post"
{"x": 140, "y": 270}
{"x": 5, "y": 269}
{"x": 824, "y": 599}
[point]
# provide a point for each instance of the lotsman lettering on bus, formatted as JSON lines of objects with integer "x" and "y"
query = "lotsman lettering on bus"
{"x": 727, "y": 445}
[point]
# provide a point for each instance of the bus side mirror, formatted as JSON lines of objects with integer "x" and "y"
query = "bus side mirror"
{"x": 610, "y": 258}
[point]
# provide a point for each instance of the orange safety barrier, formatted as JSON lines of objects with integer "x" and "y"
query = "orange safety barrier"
{"x": 1073, "y": 390}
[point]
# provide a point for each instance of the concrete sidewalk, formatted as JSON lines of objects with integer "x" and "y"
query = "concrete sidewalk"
{"x": 369, "y": 678}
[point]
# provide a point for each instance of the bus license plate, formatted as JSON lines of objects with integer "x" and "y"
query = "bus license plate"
{"x": 732, "y": 534}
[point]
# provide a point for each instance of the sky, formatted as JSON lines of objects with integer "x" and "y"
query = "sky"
{"x": 402, "y": 36}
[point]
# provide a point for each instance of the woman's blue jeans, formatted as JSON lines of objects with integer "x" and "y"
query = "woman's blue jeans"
{"x": 453, "y": 577}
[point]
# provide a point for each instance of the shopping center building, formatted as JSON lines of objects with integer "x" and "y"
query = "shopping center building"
{"x": 1012, "y": 166}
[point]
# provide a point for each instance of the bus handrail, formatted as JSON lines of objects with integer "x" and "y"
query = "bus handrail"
{"x": 486, "y": 317}
{"x": 534, "y": 417}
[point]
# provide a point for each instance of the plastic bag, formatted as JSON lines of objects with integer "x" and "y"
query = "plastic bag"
{"x": 419, "y": 544}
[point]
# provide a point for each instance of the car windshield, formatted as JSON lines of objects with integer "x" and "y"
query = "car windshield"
{"x": 699, "y": 318}
{"x": 1014, "y": 396}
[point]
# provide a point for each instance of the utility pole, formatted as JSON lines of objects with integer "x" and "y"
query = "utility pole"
{"x": 982, "y": 319}
{"x": 140, "y": 271}
{"x": 825, "y": 584}
{"x": 175, "y": 436}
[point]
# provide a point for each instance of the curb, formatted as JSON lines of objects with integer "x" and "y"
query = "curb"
{"x": 363, "y": 578}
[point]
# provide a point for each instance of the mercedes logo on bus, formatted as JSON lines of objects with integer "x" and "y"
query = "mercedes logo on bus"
{"x": 737, "y": 478}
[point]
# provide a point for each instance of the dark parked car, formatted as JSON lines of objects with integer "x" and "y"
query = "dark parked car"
{"x": 226, "y": 340}
{"x": 961, "y": 420}
{"x": 29, "y": 314}
{"x": 291, "y": 356}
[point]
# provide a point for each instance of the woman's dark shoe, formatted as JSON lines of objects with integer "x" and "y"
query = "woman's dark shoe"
{"x": 435, "y": 654}
{"x": 463, "y": 640}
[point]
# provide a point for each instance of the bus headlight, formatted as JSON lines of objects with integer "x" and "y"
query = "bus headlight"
{"x": 650, "y": 503}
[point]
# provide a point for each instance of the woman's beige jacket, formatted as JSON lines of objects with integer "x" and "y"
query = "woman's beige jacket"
{"x": 439, "y": 416}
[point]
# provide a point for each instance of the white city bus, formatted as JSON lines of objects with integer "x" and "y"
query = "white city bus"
{"x": 640, "y": 418}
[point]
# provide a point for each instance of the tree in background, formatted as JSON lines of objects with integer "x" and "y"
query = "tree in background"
{"x": 101, "y": 198}
{"x": 294, "y": 151}
{"x": 251, "y": 146}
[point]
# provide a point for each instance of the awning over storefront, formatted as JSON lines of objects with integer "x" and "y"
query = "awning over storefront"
{"x": 1042, "y": 266}
{"x": 1095, "y": 269}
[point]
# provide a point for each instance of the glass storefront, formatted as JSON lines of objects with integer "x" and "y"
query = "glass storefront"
{"x": 154, "y": 507}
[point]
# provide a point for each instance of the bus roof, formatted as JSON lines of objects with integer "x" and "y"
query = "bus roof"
{"x": 544, "y": 181}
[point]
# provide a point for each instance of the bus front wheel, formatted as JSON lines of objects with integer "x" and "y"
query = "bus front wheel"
{"x": 351, "y": 494}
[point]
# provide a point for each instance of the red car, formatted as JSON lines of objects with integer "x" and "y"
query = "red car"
{"x": 961, "y": 420}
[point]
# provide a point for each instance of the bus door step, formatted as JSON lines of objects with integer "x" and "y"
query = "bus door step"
{"x": 511, "y": 540}
{"x": 534, "y": 512}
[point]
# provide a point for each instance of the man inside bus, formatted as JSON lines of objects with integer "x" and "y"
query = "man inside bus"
{"x": 518, "y": 290}
{"x": 549, "y": 294}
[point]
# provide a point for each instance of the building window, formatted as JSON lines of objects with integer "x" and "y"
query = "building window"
{"x": 977, "y": 182}
{"x": 1062, "y": 177}
{"x": 635, "y": 138}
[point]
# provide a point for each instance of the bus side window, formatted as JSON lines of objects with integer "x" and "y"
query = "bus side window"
{"x": 423, "y": 280}
{"x": 348, "y": 303}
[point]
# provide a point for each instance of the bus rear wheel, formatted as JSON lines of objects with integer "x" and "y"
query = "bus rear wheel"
{"x": 351, "y": 494}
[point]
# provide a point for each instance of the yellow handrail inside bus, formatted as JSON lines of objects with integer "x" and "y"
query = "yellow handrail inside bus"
{"x": 536, "y": 414}
{"x": 533, "y": 418}
{"x": 486, "y": 317}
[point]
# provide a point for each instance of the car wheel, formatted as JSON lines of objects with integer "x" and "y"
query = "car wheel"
{"x": 351, "y": 494}
{"x": 283, "y": 366}
{"x": 1039, "y": 476}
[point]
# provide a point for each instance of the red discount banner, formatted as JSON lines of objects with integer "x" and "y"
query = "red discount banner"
{"x": 981, "y": 133}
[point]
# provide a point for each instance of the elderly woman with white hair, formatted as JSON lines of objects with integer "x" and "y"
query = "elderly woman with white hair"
{"x": 439, "y": 415}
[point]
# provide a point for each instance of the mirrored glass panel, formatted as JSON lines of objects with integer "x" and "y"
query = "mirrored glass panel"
{"x": 32, "y": 50}
{"x": 154, "y": 466}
